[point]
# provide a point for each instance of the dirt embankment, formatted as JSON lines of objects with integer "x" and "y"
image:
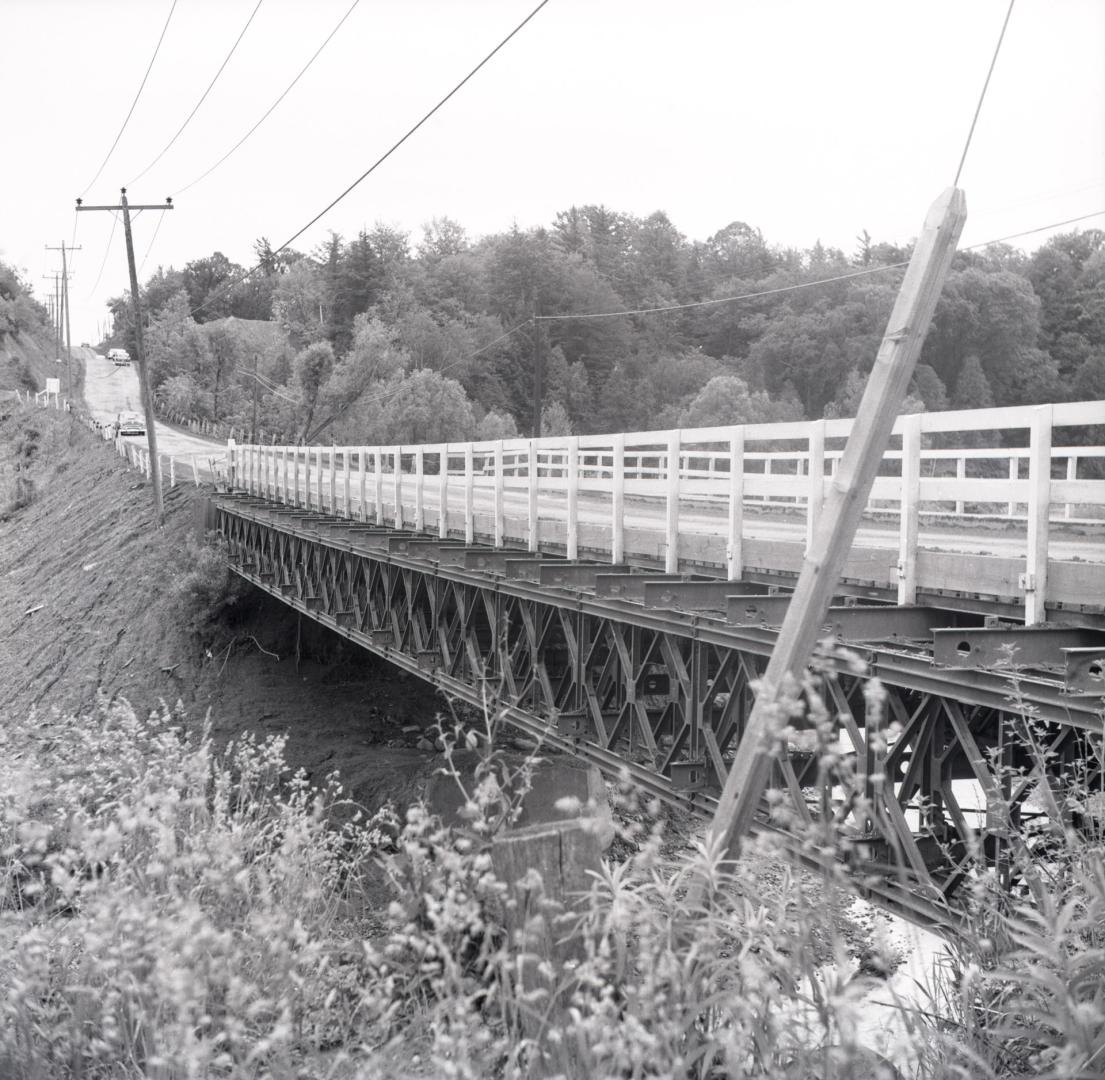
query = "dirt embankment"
{"x": 90, "y": 602}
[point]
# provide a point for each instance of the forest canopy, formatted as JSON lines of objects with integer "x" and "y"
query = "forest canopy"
{"x": 378, "y": 338}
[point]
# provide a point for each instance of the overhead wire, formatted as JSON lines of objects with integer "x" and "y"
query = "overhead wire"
{"x": 203, "y": 96}
{"x": 803, "y": 284}
{"x": 130, "y": 111}
{"x": 107, "y": 252}
{"x": 1038, "y": 229}
{"x": 383, "y": 157}
{"x": 269, "y": 110}
{"x": 149, "y": 247}
{"x": 982, "y": 95}
{"x": 724, "y": 299}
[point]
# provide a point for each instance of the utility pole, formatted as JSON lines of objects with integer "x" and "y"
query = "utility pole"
{"x": 139, "y": 348}
{"x": 65, "y": 314}
{"x": 55, "y": 310}
{"x": 836, "y": 527}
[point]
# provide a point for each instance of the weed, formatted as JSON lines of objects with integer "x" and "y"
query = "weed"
{"x": 202, "y": 588}
{"x": 168, "y": 911}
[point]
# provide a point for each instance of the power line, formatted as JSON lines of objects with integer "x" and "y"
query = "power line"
{"x": 402, "y": 139}
{"x": 804, "y": 284}
{"x": 265, "y": 116}
{"x": 379, "y": 161}
{"x": 1038, "y": 229}
{"x": 982, "y": 96}
{"x": 107, "y": 252}
{"x": 134, "y": 102}
{"x": 724, "y": 299}
{"x": 203, "y": 96}
{"x": 149, "y": 248}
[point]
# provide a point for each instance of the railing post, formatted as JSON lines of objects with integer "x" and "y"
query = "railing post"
{"x": 1039, "y": 508}
{"x": 362, "y": 485}
{"x": 500, "y": 511}
{"x": 397, "y": 484}
{"x": 734, "y": 548}
{"x": 617, "y": 522}
{"x": 231, "y": 463}
{"x": 960, "y": 474}
{"x": 1072, "y": 474}
{"x": 1014, "y": 474}
{"x": 378, "y": 481}
{"x": 443, "y": 493}
{"x": 348, "y": 480}
{"x": 419, "y": 476}
{"x": 318, "y": 479}
{"x": 816, "y": 478}
{"x": 469, "y": 495}
{"x": 573, "y": 496}
{"x": 531, "y": 495}
{"x": 332, "y": 508}
{"x": 172, "y": 472}
{"x": 910, "y": 509}
{"x": 671, "y": 562}
{"x": 284, "y": 475}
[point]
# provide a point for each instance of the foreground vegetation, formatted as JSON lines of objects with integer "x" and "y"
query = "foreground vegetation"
{"x": 171, "y": 911}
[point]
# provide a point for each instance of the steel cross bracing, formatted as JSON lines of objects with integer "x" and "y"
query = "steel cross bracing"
{"x": 653, "y": 674}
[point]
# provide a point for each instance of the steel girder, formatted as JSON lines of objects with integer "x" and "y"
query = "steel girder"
{"x": 922, "y": 786}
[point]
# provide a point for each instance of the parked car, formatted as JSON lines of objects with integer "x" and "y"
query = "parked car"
{"x": 130, "y": 423}
{"x": 119, "y": 357}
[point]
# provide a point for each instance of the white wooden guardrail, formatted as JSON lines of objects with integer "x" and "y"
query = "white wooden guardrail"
{"x": 617, "y": 496}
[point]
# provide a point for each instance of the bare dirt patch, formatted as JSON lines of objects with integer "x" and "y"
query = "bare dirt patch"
{"x": 87, "y": 606}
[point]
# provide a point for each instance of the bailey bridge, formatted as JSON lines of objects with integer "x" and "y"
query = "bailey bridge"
{"x": 617, "y": 596}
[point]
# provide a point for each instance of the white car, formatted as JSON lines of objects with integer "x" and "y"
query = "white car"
{"x": 119, "y": 357}
{"x": 130, "y": 423}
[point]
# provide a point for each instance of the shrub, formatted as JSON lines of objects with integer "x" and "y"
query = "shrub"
{"x": 202, "y": 589}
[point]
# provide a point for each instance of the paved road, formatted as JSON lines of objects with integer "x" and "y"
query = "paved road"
{"x": 110, "y": 390}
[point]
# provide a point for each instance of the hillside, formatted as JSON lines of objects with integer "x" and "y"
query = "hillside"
{"x": 94, "y": 597}
{"x": 28, "y": 354}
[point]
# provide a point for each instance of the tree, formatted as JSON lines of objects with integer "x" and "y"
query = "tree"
{"x": 555, "y": 420}
{"x": 207, "y": 283}
{"x": 297, "y": 303}
{"x": 311, "y": 369}
{"x": 972, "y": 388}
{"x": 726, "y": 399}
{"x": 928, "y": 387}
{"x": 496, "y": 425}
{"x": 419, "y": 407}
{"x": 441, "y": 237}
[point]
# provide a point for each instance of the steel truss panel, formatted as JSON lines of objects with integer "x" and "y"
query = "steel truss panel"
{"x": 666, "y": 695}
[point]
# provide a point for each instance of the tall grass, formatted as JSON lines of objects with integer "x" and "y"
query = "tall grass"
{"x": 171, "y": 911}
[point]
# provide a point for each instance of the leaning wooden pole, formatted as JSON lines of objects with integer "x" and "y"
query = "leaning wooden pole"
{"x": 840, "y": 514}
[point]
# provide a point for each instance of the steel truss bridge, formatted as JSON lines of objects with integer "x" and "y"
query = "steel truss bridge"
{"x": 618, "y": 596}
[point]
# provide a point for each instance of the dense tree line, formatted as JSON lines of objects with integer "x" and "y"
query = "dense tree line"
{"x": 372, "y": 339}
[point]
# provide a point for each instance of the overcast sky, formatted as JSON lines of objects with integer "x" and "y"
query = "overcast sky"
{"x": 809, "y": 119}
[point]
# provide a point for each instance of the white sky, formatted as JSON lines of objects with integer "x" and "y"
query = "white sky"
{"x": 809, "y": 119}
